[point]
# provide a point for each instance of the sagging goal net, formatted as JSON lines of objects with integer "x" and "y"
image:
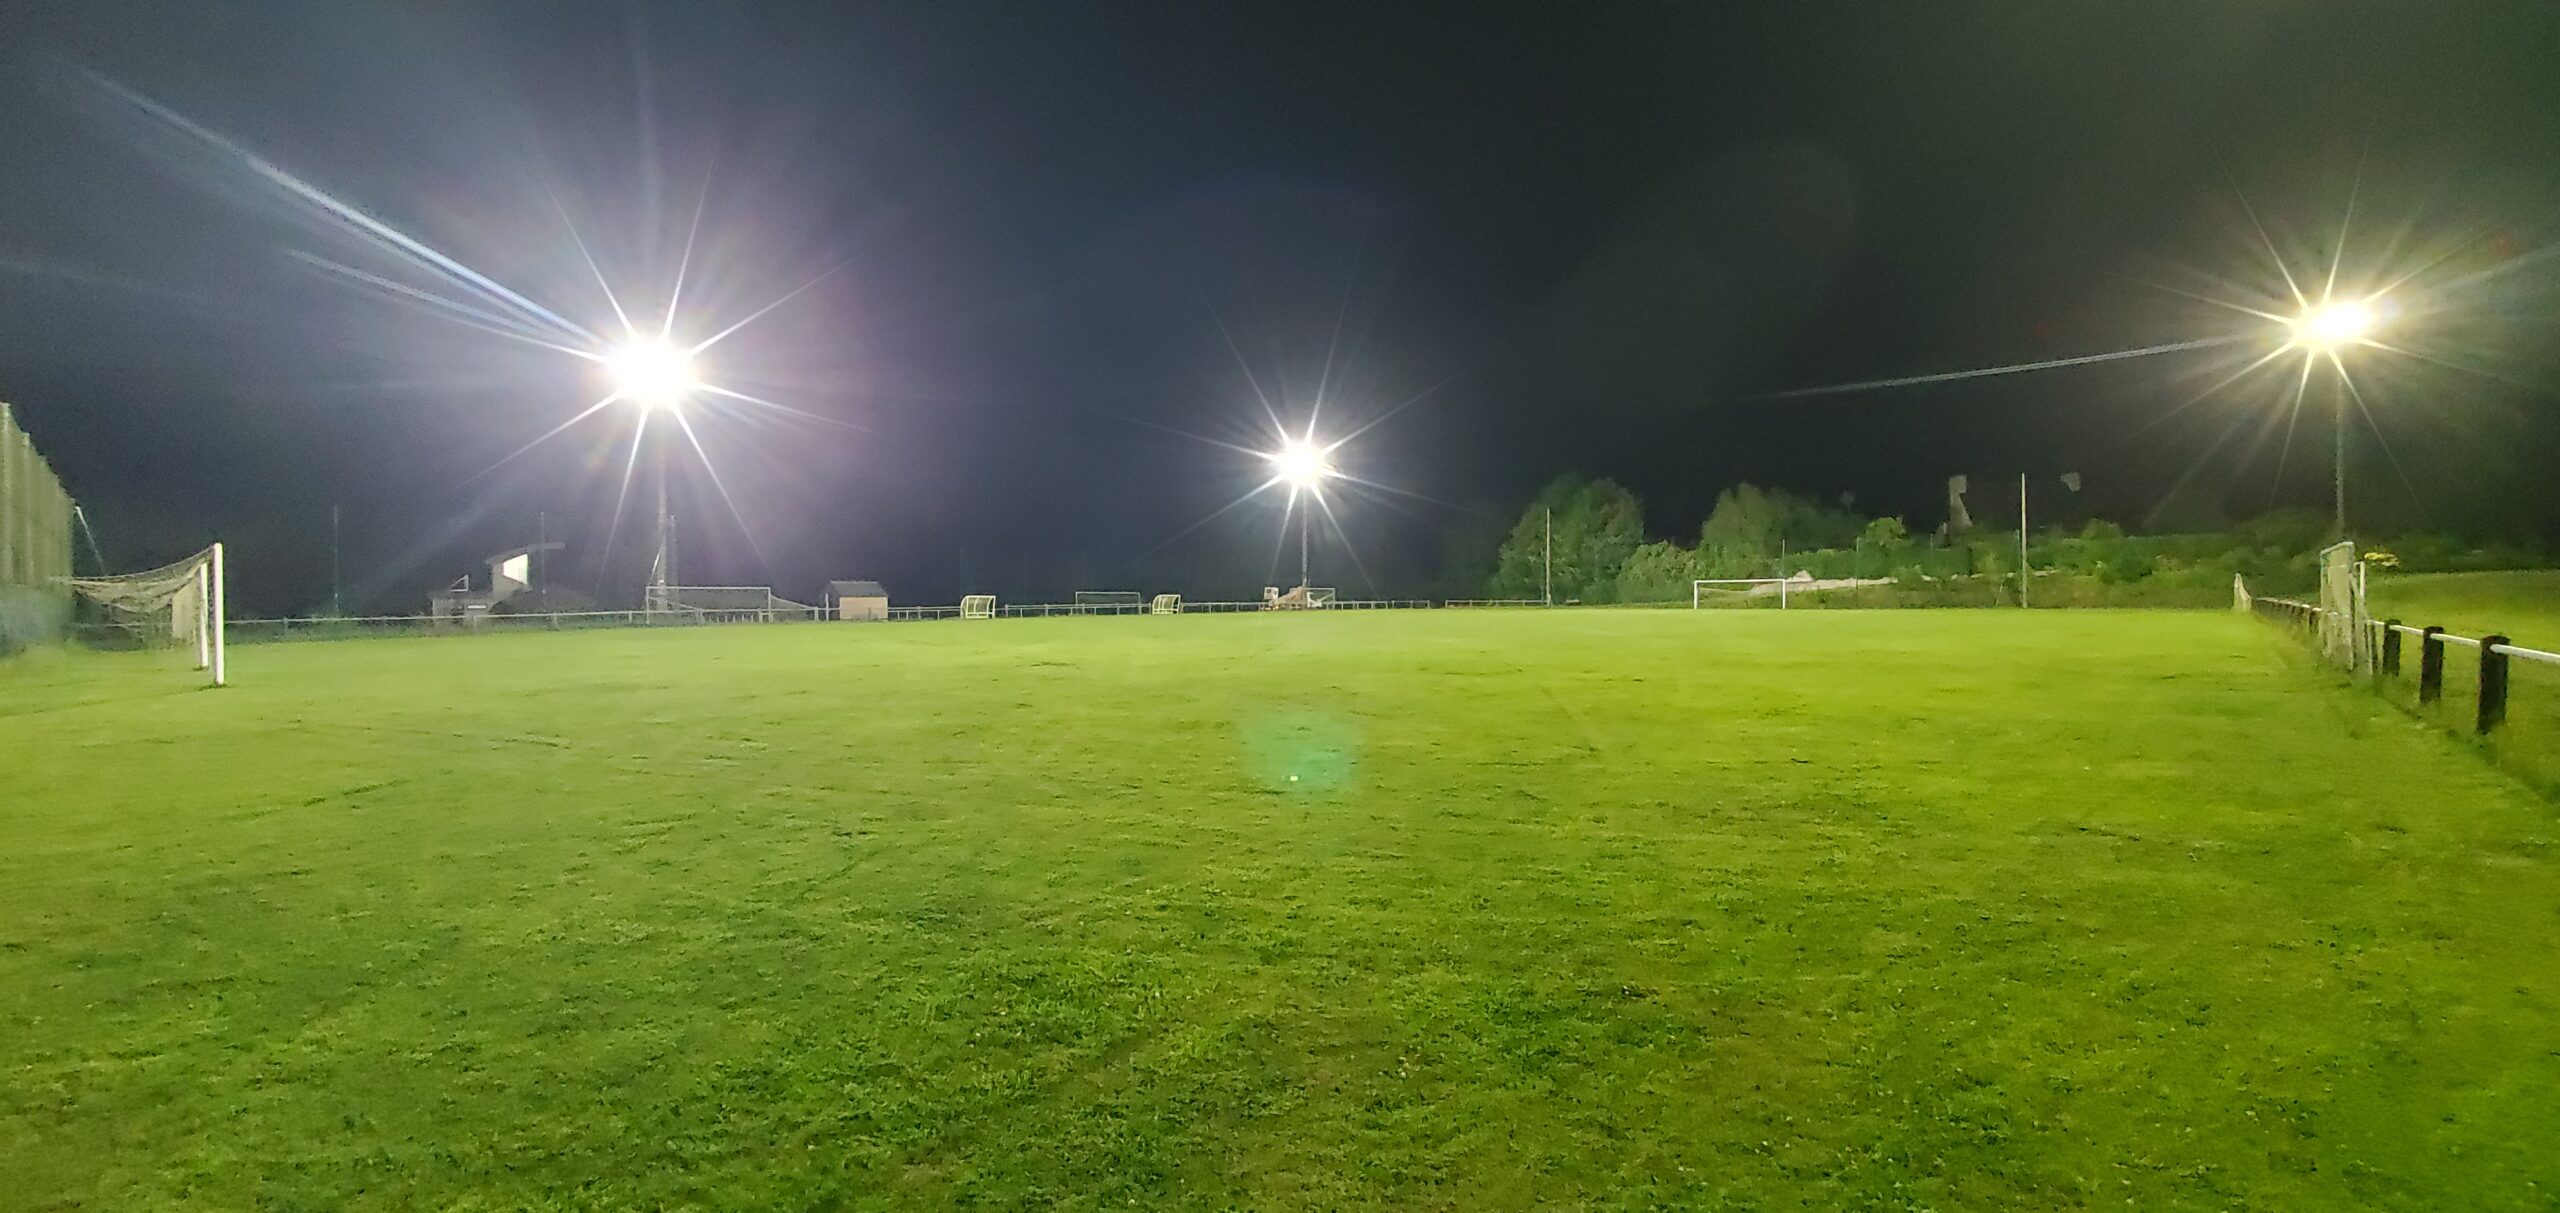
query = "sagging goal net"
{"x": 178, "y": 605}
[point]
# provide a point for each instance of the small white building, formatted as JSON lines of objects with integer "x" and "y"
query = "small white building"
{"x": 858, "y": 600}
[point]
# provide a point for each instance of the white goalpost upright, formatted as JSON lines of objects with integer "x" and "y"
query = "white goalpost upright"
{"x": 1698, "y": 588}
{"x": 179, "y": 603}
{"x": 2345, "y": 634}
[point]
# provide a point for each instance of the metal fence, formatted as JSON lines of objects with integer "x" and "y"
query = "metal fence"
{"x": 35, "y": 543}
{"x": 343, "y": 627}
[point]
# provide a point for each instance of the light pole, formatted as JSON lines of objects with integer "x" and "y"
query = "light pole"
{"x": 655, "y": 375}
{"x": 2322, "y": 330}
{"x": 1303, "y": 465}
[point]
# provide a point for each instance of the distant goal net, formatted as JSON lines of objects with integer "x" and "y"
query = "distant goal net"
{"x": 978, "y": 606}
{"x": 1736, "y": 591}
{"x": 177, "y": 605}
{"x": 1110, "y": 602}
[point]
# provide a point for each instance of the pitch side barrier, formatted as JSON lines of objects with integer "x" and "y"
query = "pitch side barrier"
{"x": 340, "y": 627}
{"x": 2493, "y": 670}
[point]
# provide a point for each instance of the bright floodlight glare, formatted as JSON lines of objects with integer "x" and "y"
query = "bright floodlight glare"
{"x": 2330, "y": 325}
{"x": 1301, "y": 464}
{"x": 651, "y": 372}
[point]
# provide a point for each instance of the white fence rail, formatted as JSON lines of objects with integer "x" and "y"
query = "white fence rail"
{"x": 2489, "y": 712}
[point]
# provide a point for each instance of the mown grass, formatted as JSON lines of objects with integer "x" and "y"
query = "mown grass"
{"x": 1577, "y": 909}
{"x": 2524, "y": 607}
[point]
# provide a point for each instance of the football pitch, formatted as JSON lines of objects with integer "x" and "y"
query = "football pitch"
{"x": 1904, "y": 909}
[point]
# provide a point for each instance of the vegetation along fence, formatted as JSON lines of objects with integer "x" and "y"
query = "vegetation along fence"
{"x": 2503, "y": 693}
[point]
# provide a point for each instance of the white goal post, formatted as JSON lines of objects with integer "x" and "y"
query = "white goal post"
{"x": 1166, "y": 604}
{"x": 1109, "y": 599}
{"x": 1750, "y": 587}
{"x": 2345, "y": 636}
{"x": 179, "y": 603}
{"x": 978, "y": 606}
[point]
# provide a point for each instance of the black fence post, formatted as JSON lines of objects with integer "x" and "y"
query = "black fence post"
{"x": 2391, "y": 648}
{"x": 2430, "y": 664}
{"x": 2493, "y": 683}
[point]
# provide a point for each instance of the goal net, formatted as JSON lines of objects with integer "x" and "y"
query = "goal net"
{"x": 1300, "y": 598}
{"x": 1166, "y": 604}
{"x": 1108, "y": 598}
{"x": 2346, "y": 635}
{"x": 978, "y": 606}
{"x": 1733, "y": 591}
{"x": 177, "y": 605}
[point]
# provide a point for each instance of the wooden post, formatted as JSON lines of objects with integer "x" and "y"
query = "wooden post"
{"x": 2430, "y": 664}
{"x": 2493, "y": 684}
{"x": 2391, "y": 648}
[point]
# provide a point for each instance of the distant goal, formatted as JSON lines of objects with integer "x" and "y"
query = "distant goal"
{"x": 1724, "y": 590}
{"x": 1110, "y": 602}
{"x": 978, "y": 606}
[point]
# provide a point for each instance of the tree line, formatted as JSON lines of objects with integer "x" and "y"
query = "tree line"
{"x": 1583, "y": 540}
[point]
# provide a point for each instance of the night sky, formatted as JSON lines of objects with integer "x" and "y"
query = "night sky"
{"x": 1522, "y": 240}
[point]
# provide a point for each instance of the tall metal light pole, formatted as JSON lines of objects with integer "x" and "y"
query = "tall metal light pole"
{"x": 2325, "y": 330}
{"x": 1305, "y": 517}
{"x": 1303, "y": 465}
{"x": 2338, "y": 456}
{"x": 655, "y": 376}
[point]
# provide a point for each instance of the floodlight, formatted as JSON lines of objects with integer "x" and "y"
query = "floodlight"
{"x": 2330, "y": 325}
{"x": 1301, "y": 464}
{"x": 651, "y": 372}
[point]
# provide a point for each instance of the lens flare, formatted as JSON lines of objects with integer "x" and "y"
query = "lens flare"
{"x": 2330, "y": 325}
{"x": 652, "y": 372}
{"x": 1301, "y": 464}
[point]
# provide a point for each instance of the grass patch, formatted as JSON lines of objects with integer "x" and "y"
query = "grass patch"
{"x": 1584, "y": 909}
{"x": 2522, "y": 606}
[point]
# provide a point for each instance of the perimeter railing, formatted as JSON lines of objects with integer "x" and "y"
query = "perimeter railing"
{"x": 2465, "y": 683}
{"x": 334, "y": 627}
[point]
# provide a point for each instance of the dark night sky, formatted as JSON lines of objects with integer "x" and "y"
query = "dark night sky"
{"x": 1592, "y": 229}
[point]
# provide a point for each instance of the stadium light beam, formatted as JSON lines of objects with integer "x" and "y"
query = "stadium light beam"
{"x": 2331, "y": 325}
{"x": 1304, "y": 465}
{"x": 652, "y": 372}
{"x": 1301, "y": 464}
{"x": 2322, "y": 331}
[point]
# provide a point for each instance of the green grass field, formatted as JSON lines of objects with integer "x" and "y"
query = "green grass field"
{"x": 1640, "y": 909}
{"x": 2522, "y": 606}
